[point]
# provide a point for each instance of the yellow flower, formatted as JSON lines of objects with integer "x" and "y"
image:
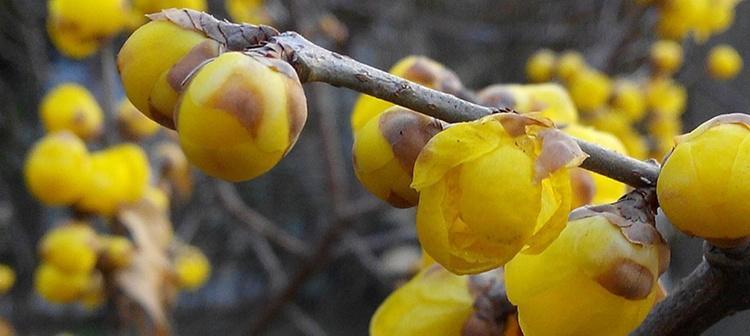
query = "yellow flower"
{"x": 680, "y": 17}
{"x": 70, "y": 45}
{"x": 57, "y": 286}
{"x": 664, "y": 95}
{"x": 116, "y": 251}
{"x": 434, "y": 302}
{"x": 570, "y": 64}
{"x": 549, "y": 100}
{"x": 666, "y": 56}
{"x": 607, "y": 263}
{"x": 192, "y": 268}
{"x": 76, "y": 27}
{"x": 57, "y": 168}
{"x": 155, "y": 61}
{"x": 590, "y": 90}
{"x": 240, "y": 114}
{"x": 592, "y": 188}
{"x": 541, "y": 66}
{"x": 629, "y": 99}
{"x": 490, "y": 187}
{"x": 119, "y": 175}
{"x": 703, "y": 184}
{"x": 133, "y": 124}
{"x": 724, "y": 62}
{"x": 418, "y": 69}
{"x": 175, "y": 169}
{"x": 7, "y": 278}
{"x": 71, "y": 107}
{"x": 617, "y": 123}
{"x": 385, "y": 150}
{"x": 70, "y": 247}
{"x": 247, "y": 11}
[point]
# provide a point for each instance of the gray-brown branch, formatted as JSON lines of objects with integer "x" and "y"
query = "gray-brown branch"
{"x": 316, "y": 64}
{"x": 717, "y": 288}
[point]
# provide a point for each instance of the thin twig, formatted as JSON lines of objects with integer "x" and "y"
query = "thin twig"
{"x": 256, "y": 222}
{"x": 315, "y": 63}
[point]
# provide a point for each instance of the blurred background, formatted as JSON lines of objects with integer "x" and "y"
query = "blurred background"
{"x": 304, "y": 249}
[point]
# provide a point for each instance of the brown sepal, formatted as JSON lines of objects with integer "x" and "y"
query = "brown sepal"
{"x": 491, "y": 305}
{"x": 635, "y": 215}
{"x": 234, "y": 36}
{"x": 408, "y": 132}
{"x": 559, "y": 151}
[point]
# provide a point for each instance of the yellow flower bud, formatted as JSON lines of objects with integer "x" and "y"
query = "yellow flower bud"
{"x": 133, "y": 124}
{"x": 240, "y": 114}
{"x": 385, "y": 150}
{"x": 56, "y": 169}
{"x": 76, "y": 27}
{"x": 7, "y": 278}
{"x": 418, "y": 69}
{"x": 629, "y": 99}
{"x": 664, "y": 95}
{"x": 516, "y": 161}
{"x": 602, "y": 260}
{"x": 589, "y": 187}
{"x": 70, "y": 247}
{"x": 570, "y": 64}
{"x": 155, "y": 61}
{"x": 617, "y": 123}
{"x": 116, "y": 251}
{"x": 666, "y": 56}
{"x": 434, "y": 302}
{"x": 673, "y": 27}
{"x": 175, "y": 168}
{"x": 720, "y": 16}
{"x": 97, "y": 18}
{"x": 724, "y": 62}
{"x": 549, "y": 100}
{"x": 70, "y": 45}
{"x": 57, "y": 286}
{"x": 590, "y": 90}
{"x": 71, "y": 107}
{"x": 119, "y": 175}
{"x": 247, "y": 11}
{"x": 541, "y": 66}
{"x": 703, "y": 184}
{"x": 192, "y": 268}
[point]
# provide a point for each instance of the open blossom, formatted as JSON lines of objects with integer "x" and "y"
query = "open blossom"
{"x": 490, "y": 187}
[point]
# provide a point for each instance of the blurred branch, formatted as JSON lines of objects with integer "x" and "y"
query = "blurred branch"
{"x": 277, "y": 277}
{"x": 256, "y": 222}
{"x": 303, "y": 322}
{"x": 718, "y": 287}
